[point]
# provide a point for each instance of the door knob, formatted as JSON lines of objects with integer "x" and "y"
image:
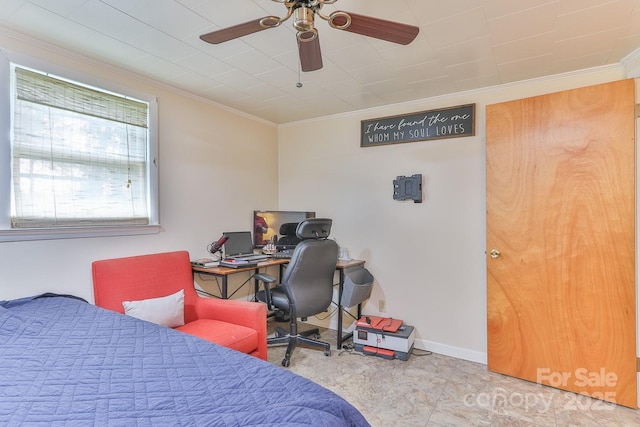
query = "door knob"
{"x": 494, "y": 253}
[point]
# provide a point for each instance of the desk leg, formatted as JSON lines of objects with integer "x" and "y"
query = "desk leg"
{"x": 343, "y": 338}
{"x": 225, "y": 294}
{"x": 340, "y": 313}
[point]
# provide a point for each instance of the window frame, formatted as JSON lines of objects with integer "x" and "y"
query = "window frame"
{"x": 8, "y": 234}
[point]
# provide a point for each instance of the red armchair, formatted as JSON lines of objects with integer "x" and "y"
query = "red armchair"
{"x": 239, "y": 325}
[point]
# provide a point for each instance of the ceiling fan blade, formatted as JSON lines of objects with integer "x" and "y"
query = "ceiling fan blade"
{"x": 234, "y": 32}
{"x": 394, "y": 32}
{"x": 309, "y": 50}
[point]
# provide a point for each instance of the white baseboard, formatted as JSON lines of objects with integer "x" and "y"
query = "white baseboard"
{"x": 436, "y": 347}
{"x": 448, "y": 350}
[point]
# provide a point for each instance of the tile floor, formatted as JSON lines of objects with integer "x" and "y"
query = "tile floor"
{"x": 436, "y": 390}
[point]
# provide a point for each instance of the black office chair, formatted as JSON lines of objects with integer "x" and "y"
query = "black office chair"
{"x": 288, "y": 237}
{"x": 306, "y": 286}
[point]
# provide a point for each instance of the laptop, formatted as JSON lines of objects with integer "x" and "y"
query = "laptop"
{"x": 240, "y": 246}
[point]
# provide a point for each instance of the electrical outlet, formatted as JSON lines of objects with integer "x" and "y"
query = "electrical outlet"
{"x": 382, "y": 306}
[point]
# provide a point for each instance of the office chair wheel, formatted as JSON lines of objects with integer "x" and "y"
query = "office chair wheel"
{"x": 286, "y": 363}
{"x": 327, "y": 352}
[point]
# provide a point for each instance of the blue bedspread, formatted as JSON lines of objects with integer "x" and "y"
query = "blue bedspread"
{"x": 66, "y": 362}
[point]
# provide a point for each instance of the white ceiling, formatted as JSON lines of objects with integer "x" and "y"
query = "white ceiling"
{"x": 462, "y": 45}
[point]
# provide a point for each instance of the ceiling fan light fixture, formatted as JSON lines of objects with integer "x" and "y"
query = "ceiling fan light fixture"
{"x": 339, "y": 20}
{"x": 270, "y": 22}
{"x": 303, "y": 19}
{"x": 307, "y": 36}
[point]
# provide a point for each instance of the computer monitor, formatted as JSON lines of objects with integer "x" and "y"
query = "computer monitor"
{"x": 267, "y": 224}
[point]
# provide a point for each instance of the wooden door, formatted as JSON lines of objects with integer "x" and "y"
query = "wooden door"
{"x": 561, "y": 302}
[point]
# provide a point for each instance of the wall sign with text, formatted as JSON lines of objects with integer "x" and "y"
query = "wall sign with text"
{"x": 434, "y": 124}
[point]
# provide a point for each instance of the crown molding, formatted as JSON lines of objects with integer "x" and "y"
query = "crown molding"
{"x": 631, "y": 64}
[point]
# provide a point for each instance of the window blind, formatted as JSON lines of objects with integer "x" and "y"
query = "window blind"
{"x": 79, "y": 155}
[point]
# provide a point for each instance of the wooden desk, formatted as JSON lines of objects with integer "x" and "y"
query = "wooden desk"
{"x": 224, "y": 273}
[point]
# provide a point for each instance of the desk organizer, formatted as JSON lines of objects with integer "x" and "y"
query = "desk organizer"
{"x": 357, "y": 286}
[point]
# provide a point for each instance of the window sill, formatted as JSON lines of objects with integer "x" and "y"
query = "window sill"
{"x": 26, "y": 234}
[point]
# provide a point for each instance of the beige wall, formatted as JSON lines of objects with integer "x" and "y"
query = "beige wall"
{"x": 428, "y": 259}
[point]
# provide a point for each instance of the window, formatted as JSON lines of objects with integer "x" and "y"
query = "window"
{"x": 82, "y": 160}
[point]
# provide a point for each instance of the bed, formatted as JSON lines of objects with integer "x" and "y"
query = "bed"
{"x": 64, "y": 361}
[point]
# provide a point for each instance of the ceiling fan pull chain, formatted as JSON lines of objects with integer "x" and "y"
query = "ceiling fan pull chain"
{"x": 299, "y": 84}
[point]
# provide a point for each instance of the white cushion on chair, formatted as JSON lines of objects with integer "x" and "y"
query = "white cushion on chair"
{"x": 166, "y": 311}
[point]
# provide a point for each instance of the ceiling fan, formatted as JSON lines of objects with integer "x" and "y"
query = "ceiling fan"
{"x": 304, "y": 13}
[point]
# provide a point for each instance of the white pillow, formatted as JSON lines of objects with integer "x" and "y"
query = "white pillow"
{"x": 166, "y": 311}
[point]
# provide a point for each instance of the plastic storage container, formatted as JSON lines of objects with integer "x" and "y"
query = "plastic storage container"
{"x": 357, "y": 286}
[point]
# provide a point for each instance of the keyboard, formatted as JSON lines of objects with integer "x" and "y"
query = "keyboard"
{"x": 282, "y": 254}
